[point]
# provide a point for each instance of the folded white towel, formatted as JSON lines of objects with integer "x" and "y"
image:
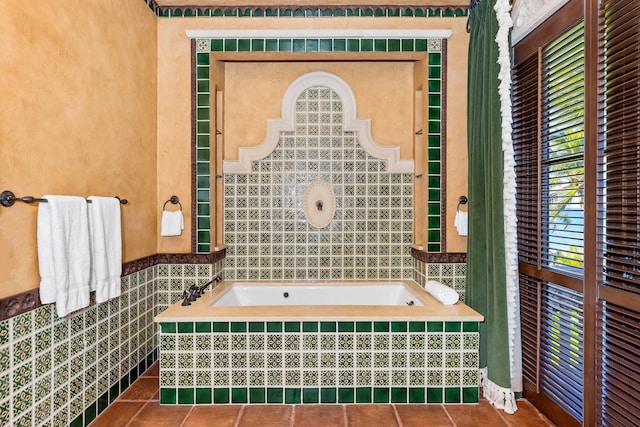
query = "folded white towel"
{"x": 441, "y": 292}
{"x": 63, "y": 253}
{"x": 106, "y": 247}
{"x": 172, "y": 223}
{"x": 461, "y": 222}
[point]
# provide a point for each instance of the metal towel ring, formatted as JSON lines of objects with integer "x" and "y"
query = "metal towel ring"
{"x": 174, "y": 200}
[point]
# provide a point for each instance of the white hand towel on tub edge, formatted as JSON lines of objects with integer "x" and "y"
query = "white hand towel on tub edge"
{"x": 106, "y": 247}
{"x": 172, "y": 223}
{"x": 64, "y": 262}
{"x": 441, "y": 292}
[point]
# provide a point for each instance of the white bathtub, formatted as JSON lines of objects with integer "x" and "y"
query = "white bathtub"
{"x": 241, "y": 294}
{"x": 344, "y": 300}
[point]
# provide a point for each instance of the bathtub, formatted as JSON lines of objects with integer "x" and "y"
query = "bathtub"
{"x": 354, "y": 347}
{"x": 287, "y": 294}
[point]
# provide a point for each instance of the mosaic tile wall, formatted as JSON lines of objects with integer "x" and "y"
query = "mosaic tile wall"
{"x": 318, "y": 362}
{"x": 173, "y": 279}
{"x": 266, "y": 232}
{"x": 435, "y": 49}
{"x": 60, "y": 372}
{"x": 450, "y": 274}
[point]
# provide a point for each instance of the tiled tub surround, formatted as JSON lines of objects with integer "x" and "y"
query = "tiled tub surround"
{"x": 61, "y": 372}
{"x": 318, "y": 354}
{"x": 266, "y": 233}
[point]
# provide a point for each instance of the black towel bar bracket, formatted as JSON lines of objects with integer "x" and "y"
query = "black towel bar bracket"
{"x": 462, "y": 201}
{"x": 8, "y": 199}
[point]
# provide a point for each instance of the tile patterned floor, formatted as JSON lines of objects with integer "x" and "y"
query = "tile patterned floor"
{"x": 139, "y": 406}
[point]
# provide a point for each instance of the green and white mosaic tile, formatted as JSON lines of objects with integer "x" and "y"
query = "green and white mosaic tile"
{"x": 63, "y": 372}
{"x": 274, "y": 189}
{"x": 396, "y": 362}
{"x": 450, "y": 274}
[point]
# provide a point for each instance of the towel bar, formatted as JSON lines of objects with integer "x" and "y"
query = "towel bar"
{"x": 8, "y": 199}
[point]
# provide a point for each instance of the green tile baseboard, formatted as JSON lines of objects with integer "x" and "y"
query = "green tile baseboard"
{"x": 315, "y": 395}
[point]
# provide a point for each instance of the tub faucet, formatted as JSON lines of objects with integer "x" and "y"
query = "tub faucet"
{"x": 195, "y": 292}
{"x": 187, "y": 298}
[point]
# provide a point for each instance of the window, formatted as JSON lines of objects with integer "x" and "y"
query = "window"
{"x": 578, "y": 200}
{"x": 548, "y": 105}
{"x": 618, "y": 210}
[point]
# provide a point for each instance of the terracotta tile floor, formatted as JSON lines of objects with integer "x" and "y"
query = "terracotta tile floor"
{"x": 139, "y": 406}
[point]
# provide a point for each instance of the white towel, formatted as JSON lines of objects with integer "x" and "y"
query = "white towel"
{"x": 172, "y": 223}
{"x": 441, "y": 292}
{"x": 106, "y": 247}
{"x": 63, "y": 253}
{"x": 461, "y": 222}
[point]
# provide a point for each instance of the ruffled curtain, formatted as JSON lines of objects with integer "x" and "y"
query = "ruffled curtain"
{"x": 492, "y": 270}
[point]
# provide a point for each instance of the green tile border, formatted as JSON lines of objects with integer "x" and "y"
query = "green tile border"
{"x": 309, "y": 12}
{"x": 319, "y": 395}
{"x": 202, "y": 122}
{"x": 319, "y": 326}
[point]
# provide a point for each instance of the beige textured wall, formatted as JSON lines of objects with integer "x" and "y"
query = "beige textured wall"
{"x": 383, "y": 93}
{"x": 174, "y": 104}
{"x": 457, "y": 54}
{"x": 78, "y": 117}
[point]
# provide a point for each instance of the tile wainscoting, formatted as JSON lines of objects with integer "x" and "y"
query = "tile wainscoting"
{"x": 65, "y": 371}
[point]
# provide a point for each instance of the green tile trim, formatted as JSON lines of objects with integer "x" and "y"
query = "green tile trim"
{"x": 168, "y": 327}
{"x": 346, "y": 395}
{"x": 398, "y": 395}
{"x": 185, "y": 327}
{"x": 309, "y": 12}
{"x": 328, "y": 395}
{"x": 435, "y": 395}
{"x": 470, "y": 395}
{"x": 452, "y": 326}
{"x": 364, "y": 395}
{"x": 470, "y": 327}
{"x": 257, "y": 395}
{"x": 168, "y": 396}
{"x": 311, "y": 395}
{"x": 452, "y": 395}
{"x": 434, "y": 153}
{"x": 186, "y": 396}
{"x": 434, "y": 327}
{"x": 381, "y": 395}
{"x": 204, "y": 396}
{"x": 204, "y": 129}
{"x": 275, "y": 395}
{"x": 292, "y": 396}
{"x": 239, "y": 395}
{"x": 238, "y": 327}
{"x": 203, "y": 327}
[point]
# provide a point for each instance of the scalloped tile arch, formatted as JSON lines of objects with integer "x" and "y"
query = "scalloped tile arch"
{"x": 362, "y": 127}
